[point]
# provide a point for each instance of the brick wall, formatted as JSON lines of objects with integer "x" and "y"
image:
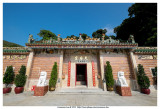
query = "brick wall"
{"x": 17, "y": 63}
{"x": 44, "y": 62}
{"x": 147, "y": 65}
{"x": 119, "y": 62}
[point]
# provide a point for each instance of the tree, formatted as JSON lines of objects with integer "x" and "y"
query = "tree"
{"x": 53, "y": 78}
{"x": 84, "y": 36}
{"x": 8, "y": 76}
{"x": 142, "y": 23}
{"x": 98, "y": 33}
{"x": 109, "y": 75}
{"x": 142, "y": 79}
{"x": 20, "y": 78}
{"x": 73, "y": 36}
{"x": 46, "y": 35}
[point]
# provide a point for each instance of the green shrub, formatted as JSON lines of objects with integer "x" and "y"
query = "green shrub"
{"x": 53, "y": 78}
{"x": 22, "y": 70}
{"x": 109, "y": 75}
{"x": 143, "y": 80}
{"x": 8, "y": 76}
{"x": 20, "y": 78}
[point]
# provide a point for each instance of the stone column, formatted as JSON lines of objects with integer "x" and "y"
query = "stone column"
{"x": 102, "y": 71}
{"x": 134, "y": 66}
{"x": 73, "y": 74}
{"x": 59, "y": 83}
{"x": 28, "y": 68}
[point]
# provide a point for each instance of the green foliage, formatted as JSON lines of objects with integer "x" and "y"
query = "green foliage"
{"x": 143, "y": 80}
{"x": 53, "y": 78}
{"x": 142, "y": 23}
{"x": 22, "y": 70}
{"x": 73, "y": 36}
{"x": 84, "y": 36}
{"x": 46, "y": 34}
{"x": 8, "y": 76}
{"x": 98, "y": 33}
{"x": 109, "y": 75}
{"x": 10, "y": 44}
{"x": 20, "y": 78}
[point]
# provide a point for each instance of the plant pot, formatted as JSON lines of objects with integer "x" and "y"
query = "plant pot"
{"x": 18, "y": 90}
{"x": 145, "y": 91}
{"x": 7, "y": 90}
{"x": 109, "y": 88}
{"x": 51, "y": 88}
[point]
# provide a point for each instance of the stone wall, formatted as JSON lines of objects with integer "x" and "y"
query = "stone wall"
{"x": 147, "y": 63}
{"x": 15, "y": 60}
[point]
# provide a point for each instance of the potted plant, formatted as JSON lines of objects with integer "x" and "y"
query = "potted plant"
{"x": 8, "y": 79}
{"x": 109, "y": 77}
{"x": 143, "y": 80}
{"x": 20, "y": 80}
{"x": 53, "y": 78}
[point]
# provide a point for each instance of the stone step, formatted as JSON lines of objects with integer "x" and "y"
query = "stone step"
{"x": 79, "y": 89}
{"x": 80, "y": 83}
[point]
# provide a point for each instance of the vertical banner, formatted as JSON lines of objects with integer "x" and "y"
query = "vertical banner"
{"x": 69, "y": 73}
{"x": 93, "y": 74}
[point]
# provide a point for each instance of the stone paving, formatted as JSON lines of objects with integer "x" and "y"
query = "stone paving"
{"x": 80, "y": 99}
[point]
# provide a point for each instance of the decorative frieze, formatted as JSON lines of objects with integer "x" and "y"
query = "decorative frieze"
{"x": 147, "y": 56}
{"x": 14, "y": 57}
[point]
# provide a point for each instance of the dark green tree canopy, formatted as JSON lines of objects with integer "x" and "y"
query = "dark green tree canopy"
{"x": 73, "y": 36}
{"x": 46, "y": 35}
{"x": 98, "y": 33}
{"x": 142, "y": 23}
{"x": 84, "y": 36}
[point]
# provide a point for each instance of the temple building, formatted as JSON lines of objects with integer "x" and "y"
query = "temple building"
{"x": 81, "y": 62}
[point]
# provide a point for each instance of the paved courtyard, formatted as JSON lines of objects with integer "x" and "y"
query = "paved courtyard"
{"x": 80, "y": 99}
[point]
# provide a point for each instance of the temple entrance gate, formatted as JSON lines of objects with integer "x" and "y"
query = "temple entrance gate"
{"x": 81, "y": 74}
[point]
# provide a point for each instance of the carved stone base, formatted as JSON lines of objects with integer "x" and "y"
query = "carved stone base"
{"x": 40, "y": 91}
{"x": 123, "y": 91}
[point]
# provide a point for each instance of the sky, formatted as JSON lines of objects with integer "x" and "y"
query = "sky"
{"x": 22, "y": 19}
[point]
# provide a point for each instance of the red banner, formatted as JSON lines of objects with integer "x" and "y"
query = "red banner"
{"x": 93, "y": 73}
{"x": 69, "y": 73}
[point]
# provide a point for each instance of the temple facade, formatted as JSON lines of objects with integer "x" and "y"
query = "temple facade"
{"x": 81, "y": 62}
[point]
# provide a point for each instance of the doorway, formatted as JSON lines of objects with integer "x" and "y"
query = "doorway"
{"x": 81, "y": 74}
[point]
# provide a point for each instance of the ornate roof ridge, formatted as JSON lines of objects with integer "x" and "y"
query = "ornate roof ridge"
{"x": 146, "y": 50}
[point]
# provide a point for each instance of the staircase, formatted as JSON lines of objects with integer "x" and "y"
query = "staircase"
{"x": 80, "y": 89}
